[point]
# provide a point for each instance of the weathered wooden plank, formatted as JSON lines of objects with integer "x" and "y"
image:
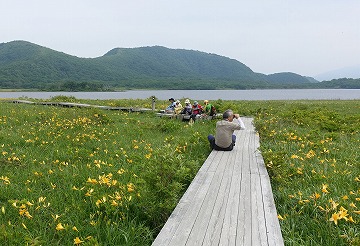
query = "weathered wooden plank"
{"x": 243, "y": 235}
{"x": 229, "y": 202}
{"x": 186, "y": 225}
{"x": 272, "y": 222}
{"x": 202, "y": 179}
{"x": 213, "y": 232}
{"x": 228, "y": 231}
{"x": 259, "y": 235}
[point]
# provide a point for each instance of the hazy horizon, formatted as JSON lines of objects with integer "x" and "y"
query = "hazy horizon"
{"x": 304, "y": 37}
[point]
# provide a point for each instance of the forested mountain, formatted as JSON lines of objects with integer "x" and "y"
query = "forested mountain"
{"x": 27, "y": 65}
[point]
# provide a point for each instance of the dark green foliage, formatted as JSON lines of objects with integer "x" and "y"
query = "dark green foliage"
{"x": 343, "y": 83}
{"x": 24, "y": 65}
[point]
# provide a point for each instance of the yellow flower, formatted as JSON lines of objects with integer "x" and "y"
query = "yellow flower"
{"x": 74, "y": 188}
{"x": 343, "y": 213}
{"x": 5, "y": 179}
{"x": 130, "y": 187}
{"x": 41, "y": 199}
{"x": 91, "y": 181}
{"x": 334, "y": 204}
{"x": 28, "y": 215}
{"x": 345, "y": 197}
{"x": 351, "y": 219}
{"x": 75, "y": 229}
{"x": 280, "y": 217}
{"x": 324, "y": 188}
{"x": 24, "y": 225}
{"x": 3, "y": 210}
{"x": 352, "y": 205}
{"x": 55, "y": 217}
{"x": 77, "y": 241}
{"x": 89, "y": 193}
{"x": 334, "y": 218}
{"x": 59, "y": 227}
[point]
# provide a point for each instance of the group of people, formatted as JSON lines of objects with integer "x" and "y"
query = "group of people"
{"x": 190, "y": 109}
{"x": 224, "y": 139}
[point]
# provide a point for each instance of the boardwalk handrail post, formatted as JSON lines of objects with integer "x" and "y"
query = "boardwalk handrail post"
{"x": 153, "y": 103}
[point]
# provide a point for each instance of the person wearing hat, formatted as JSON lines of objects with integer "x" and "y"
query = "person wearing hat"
{"x": 188, "y": 108}
{"x": 224, "y": 137}
{"x": 178, "y": 107}
{"x": 209, "y": 109}
{"x": 196, "y": 110}
{"x": 171, "y": 107}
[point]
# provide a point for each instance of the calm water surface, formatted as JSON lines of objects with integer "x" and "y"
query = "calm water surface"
{"x": 290, "y": 94}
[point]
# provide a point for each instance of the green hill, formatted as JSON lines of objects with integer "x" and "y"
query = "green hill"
{"x": 27, "y": 65}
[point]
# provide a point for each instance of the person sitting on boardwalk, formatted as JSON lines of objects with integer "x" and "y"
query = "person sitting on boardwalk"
{"x": 224, "y": 138}
{"x": 170, "y": 109}
{"x": 178, "y": 107}
{"x": 209, "y": 109}
{"x": 196, "y": 110}
{"x": 188, "y": 108}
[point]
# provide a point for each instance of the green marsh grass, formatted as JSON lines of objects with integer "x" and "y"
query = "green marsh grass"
{"x": 94, "y": 177}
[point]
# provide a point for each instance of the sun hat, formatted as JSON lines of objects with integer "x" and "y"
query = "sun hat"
{"x": 187, "y": 101}
{"x": 196, "y": 103}
{"x": 171, "y": 99}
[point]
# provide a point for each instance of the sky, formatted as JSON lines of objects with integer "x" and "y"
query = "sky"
{"x": 269, "y": 36}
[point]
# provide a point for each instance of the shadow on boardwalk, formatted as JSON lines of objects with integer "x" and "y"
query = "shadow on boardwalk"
{"x": 229, "y": 202}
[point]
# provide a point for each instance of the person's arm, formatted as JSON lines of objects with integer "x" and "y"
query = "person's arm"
{"x": 239, "y": 121}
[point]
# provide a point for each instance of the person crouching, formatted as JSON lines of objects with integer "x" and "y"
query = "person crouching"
{"x": 224, "y": 138}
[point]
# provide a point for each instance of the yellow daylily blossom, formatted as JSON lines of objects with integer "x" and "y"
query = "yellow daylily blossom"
{"x": 77, "y": 241}
{"x": 75, "y": 229}
{"x": 55, "y": 217}
{"x": 91, "y": 181}
{"x": 59, "y": 227}
{"x": 334, "y": 204}
{"x": 334, "y": 218}
{"x": 324, "y": 188}
{"x": 130, "y": 187}
{"x": 343, "y": 213}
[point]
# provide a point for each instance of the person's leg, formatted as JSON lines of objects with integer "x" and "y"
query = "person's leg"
{"x": 211, "y": 139}
{"x": 233, "y": 139}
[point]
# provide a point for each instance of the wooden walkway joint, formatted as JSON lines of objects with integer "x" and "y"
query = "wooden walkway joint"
{"x": 229, "y": 202}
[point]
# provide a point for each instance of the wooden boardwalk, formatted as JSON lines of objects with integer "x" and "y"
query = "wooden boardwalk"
{"x": 229, "y": 202}
{"x": 82, "y": 105}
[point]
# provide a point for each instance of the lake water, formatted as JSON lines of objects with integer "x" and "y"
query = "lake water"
{"x": 288, "y": 94}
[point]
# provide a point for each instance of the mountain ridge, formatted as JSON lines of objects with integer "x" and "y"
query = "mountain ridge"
{"x": 27, "y": 65}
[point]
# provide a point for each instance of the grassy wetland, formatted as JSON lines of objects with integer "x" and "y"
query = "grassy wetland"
{"x": 95, "y": 177}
